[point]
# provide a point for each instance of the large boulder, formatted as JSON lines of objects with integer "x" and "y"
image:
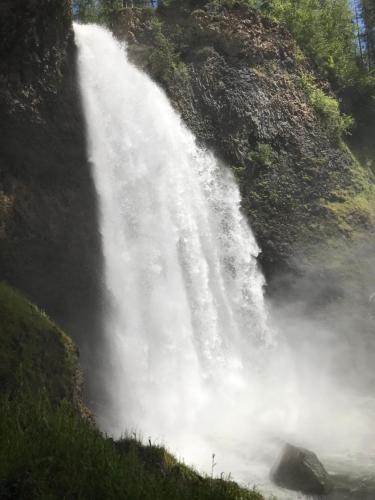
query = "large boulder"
{"x": 300, "y": 470}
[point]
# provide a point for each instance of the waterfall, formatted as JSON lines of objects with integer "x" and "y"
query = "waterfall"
{"x": 186, "y": 327}
{"x": 189, "y": 358}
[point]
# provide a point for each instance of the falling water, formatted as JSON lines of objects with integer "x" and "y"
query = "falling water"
{"x": 188, "y": 344}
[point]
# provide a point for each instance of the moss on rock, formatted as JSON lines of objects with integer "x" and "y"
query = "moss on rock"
{"x": 36, "y": 356}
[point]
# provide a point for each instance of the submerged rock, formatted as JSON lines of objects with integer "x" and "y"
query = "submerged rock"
{"x": 300, "y": 470}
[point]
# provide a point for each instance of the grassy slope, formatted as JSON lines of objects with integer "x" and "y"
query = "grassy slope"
{"x": 53, "y": 453}
{"x": 49, "y": 451}
{"x": 35, "y": 354}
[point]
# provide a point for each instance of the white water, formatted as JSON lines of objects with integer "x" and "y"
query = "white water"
{"x": 192, "y": 360}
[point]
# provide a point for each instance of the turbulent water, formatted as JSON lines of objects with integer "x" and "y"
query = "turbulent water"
{"x": 190, "y": 357}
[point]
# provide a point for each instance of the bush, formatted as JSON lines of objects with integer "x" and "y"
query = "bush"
{"x": 325, "y": 31}
{"x": 164, "y": 61}
{"x": 264, "y": 155}
{"x": 327, "y": 107}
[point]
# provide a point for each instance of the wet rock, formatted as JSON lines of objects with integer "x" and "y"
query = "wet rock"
{"x": 300, "y": 470}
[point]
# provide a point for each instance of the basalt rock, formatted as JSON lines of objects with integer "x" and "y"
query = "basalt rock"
{"x": 300, "y": 470}
{"x": 235, "y": 77}
{"x": 49, "y": 239}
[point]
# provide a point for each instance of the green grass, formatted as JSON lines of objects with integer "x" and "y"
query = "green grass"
{"x": 35, "y": 354}
{"x": 50, "y": 452}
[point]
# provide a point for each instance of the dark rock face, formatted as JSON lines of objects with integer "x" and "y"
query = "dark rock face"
{"x": 49, "y": 238}
{"x": 300, "y": 470}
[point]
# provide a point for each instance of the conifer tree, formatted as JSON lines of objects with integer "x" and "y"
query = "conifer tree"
{"x": 86, "y": 10}
{"x": 368, "y": 13}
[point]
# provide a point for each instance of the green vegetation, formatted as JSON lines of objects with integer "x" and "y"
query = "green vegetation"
{"x": 89, "y": 11}
{"x": 365, "y": 10}
{"x": 86, "y": 10}
{"x": 164, "y": 62}
{"x": 327, "y": 107}
{"x": 52, "y": 453}
{"x": 325, "y": 31}
{"x": 35, "y": 354}
{"x": 264, "y": 155}
{"x": 354, "y": 207}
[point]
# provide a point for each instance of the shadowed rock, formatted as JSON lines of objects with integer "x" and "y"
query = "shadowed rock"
{"x": 300, "y": 470}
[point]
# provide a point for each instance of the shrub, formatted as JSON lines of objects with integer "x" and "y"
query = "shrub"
{"x": 327, "y": 107}
{"x": 264, "y": 155}
{"x": 325, "y": 31}
{"x": 164, "y": 61}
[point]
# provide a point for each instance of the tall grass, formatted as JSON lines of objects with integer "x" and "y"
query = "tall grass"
{"x": 50, "y": 452}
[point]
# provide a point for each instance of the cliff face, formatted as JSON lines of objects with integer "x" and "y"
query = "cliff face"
{"x": 49, "y": 240}
{"x": 239, "y": 81}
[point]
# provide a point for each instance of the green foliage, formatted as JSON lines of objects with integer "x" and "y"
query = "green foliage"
{"x": 327, "y": 107}
{"x": 368, "y": 15}
{"x": 97, "y": 11}
{"x": 163, "y": 61}
{"x": 264, "y": 155}
{"x": 354, "y": 206}
{"x": 324, "y": 30}
{"x": 50, "y": 452}
{"x": 252, "y": 4}
{"x": 191, "y": 4}
{"x": 88, "y": 10}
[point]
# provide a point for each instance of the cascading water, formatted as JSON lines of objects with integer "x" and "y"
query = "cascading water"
{"x": 190, "y": 356}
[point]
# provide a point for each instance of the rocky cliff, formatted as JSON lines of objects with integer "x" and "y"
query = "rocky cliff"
{"x": 49, "y": 240}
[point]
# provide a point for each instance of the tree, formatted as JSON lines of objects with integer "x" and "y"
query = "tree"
{"x": 85, "y": 10}
{"x": 325, "y": 31}
{"x": 368, "y": 15}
